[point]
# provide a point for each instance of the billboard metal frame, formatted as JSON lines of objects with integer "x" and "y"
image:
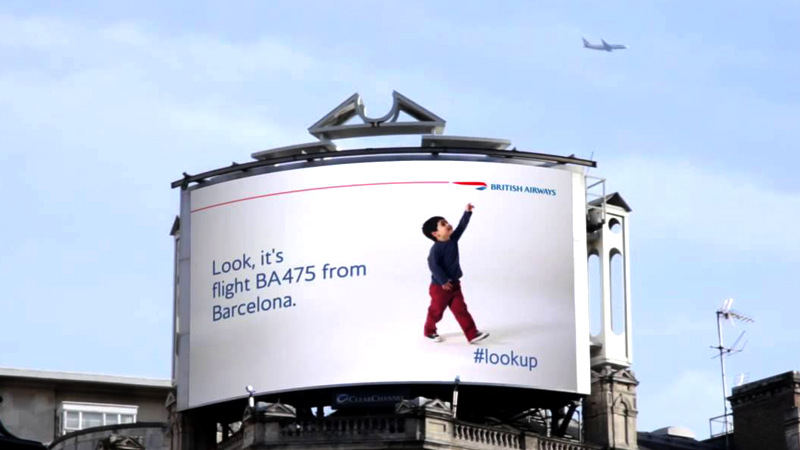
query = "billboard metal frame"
{"x": 181, "y": 317}
{"x": 411, "y": 151}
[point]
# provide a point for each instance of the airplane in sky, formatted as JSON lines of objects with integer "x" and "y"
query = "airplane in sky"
{"x": 606, "y": 46}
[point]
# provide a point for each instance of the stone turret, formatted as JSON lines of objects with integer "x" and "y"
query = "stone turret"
{"x": 610, "y": 412}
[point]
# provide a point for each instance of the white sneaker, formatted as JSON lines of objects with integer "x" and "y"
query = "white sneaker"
{"x": 434, "y": 337}
{"x": 481, "y": 336}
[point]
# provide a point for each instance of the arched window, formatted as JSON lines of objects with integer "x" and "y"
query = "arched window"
{"x": 595, "y": 295}
{"x": 617, "y": 278}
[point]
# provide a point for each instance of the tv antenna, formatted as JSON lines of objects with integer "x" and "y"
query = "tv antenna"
{"x": 726, "y": 313}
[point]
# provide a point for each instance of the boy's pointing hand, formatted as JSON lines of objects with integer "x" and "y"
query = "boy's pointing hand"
{"x": 470, "y": 207}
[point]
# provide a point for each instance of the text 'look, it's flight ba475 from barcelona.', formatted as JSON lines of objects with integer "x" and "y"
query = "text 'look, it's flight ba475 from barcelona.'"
{"x": 605, "y": 46}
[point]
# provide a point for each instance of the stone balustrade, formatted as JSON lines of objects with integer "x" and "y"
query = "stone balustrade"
{"x": 336, "y": 427}
{"x": 234, "y": 442}
{"x": 487, "y": 436}
{"x": 395, "y": 431}
{"x": 558, "y": 444}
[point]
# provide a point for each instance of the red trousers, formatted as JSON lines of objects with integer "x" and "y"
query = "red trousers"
{"x": 454, "y": 299}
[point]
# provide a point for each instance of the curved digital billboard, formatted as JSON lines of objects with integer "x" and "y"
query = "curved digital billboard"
{"x": 323, "y": 276}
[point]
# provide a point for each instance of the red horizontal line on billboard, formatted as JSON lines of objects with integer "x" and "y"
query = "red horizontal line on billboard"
{"x": 274, "y": 194}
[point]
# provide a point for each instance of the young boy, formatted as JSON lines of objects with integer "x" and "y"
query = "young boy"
{"x": 445, "y": 288}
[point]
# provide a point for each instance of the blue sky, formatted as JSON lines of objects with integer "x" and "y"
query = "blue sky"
{"x": 102, "y": 105}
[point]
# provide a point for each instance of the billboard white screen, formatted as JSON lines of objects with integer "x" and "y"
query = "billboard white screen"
{"x": 320, "y": 277}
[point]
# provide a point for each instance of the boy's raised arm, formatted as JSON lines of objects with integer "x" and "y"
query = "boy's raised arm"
{"x": 462, "y": 224}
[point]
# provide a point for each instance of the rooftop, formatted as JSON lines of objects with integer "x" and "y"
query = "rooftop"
{"x": 785, "y": 378}
{"x": 84, "y": 377}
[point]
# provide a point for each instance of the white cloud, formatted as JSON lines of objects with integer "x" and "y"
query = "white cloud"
{"x": 127, "y": 34}
{"x": 241, "y": 129}
{"x": 34, "y": 33}
{"x": 124, "y": 85}
{"x": 730, "y": 211}
{"x": 83, "y": 81}
{"x": 681, "y": 402}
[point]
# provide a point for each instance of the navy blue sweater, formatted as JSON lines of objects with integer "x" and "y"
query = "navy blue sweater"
{"x": 443, "y": 258}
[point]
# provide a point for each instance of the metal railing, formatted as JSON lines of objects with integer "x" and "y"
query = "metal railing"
{"x": 596, "y": 193}
{"x": 392, "y": 152}
{"x": 722, "y": 423}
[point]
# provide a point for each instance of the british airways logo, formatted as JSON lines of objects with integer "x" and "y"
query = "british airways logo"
{"x": 481, "y": 186}
{"x": 523, "y": 189}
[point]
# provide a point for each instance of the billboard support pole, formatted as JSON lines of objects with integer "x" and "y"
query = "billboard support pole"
{"x": 562, "y": 429}
{"x": 455, "y": 397}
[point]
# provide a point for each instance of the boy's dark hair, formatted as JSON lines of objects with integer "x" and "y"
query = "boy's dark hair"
{"x": 430, "y": 226}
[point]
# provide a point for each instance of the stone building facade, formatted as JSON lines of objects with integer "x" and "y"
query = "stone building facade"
{"x": 43, "y": 406}
{"x": 416, "y": 424}
{"x": 766, "y": 413}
